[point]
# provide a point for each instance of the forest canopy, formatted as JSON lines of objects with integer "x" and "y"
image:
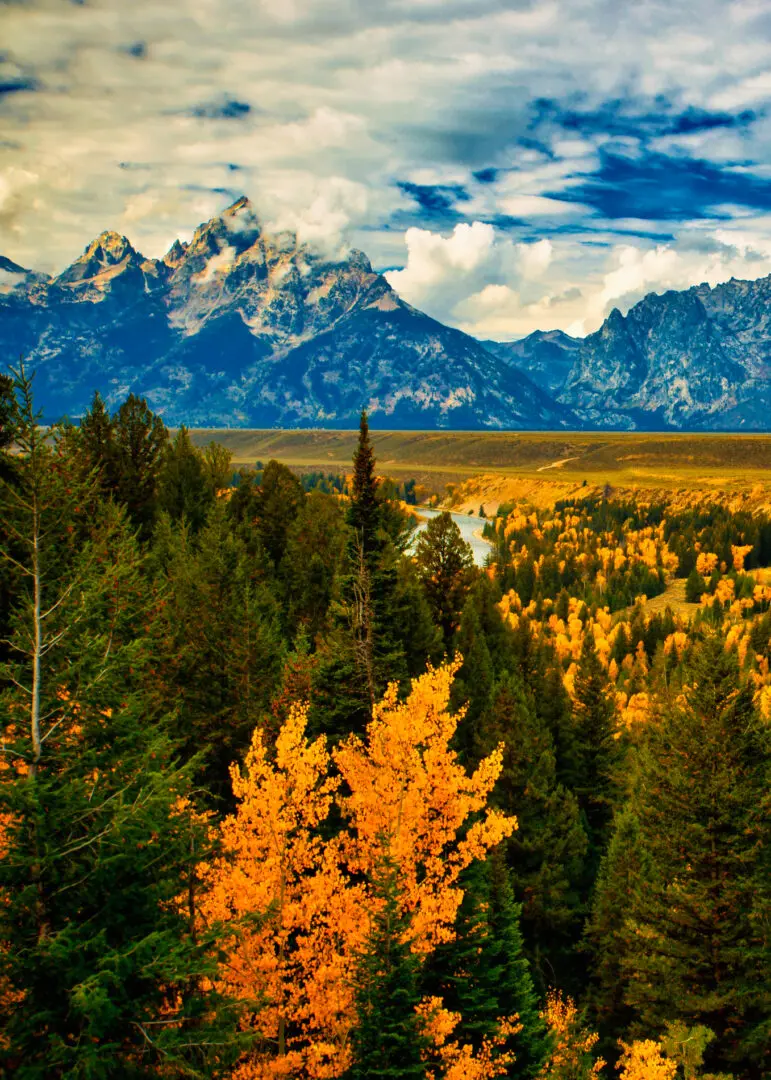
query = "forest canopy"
{"x": 291, "y": 789}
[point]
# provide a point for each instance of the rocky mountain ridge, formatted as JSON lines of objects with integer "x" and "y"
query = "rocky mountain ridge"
{"x": 697, "y": 359}
{"x": 240, "y": 328}
{"x": 548, "y": 357}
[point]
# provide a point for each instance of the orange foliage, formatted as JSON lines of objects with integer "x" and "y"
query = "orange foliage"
{"x": 405, "y": 792}
{"x": 572, "y": 1045}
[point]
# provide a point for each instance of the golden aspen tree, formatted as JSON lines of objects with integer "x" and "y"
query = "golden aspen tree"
{"x": 300, "y": 906}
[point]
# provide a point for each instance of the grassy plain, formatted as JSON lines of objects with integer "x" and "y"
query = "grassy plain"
{"x": 541, "y": 466}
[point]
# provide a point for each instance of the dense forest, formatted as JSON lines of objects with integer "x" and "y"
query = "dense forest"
{"x": 287, "y": 790}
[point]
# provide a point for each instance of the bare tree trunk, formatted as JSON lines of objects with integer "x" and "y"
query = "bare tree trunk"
{"x": 362, "y": 624}
{"x": 37, "y": 639}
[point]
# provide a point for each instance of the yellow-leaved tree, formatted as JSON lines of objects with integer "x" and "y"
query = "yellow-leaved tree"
{"x": 301, "y": 906}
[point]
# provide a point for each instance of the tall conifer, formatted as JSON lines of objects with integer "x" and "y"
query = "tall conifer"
{"x": 364, "y": 510}
{"x": 547, "y": 853}
{"x": 387, "y": 1041}
{"x": 594, "y": 714}
{"x": 99, "y": 841}
{"x": 483, "y": 973}
{"x": 695, "y": 943}
{"x": 364, "y": 650}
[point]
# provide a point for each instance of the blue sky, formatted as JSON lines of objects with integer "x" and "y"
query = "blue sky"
{"x": 512, "y": 166}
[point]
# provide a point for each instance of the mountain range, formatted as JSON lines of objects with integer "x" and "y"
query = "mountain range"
{"x": 239, "y": 328}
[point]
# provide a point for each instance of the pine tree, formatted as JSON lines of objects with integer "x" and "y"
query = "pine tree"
{"x": 695, "y": 587}
{"x": 445, "y": 566}
{"x": 312, "y": 563}
{"x": 220, "y": 671}
{"x": 185, "y": 491}
{"x": 99, "y": 841}
{"x": 547, "y": 853}
{"x": 364, "y": 650}
{"x": 7, "y": 412}
{"x": 218, "y": 467}
{"x": 364, "y": 509}
{"x": 473, "y": 687}
{"x": 465, "y": 972}
{"x": 694, "y": 944}
{"x": 140, "y": 445}
{"x": 421, "y": 639}
{"x": 594, "y": 714}
{"x": 483, "y": 973}
{"x": 7, "y": 475}
{"x": 623, "y": 868}
{"x": 516, "y": 993}
{"x": 96, "y": 441}
{"x": 279, "y": 499}
{"x": 387, "y": 1041}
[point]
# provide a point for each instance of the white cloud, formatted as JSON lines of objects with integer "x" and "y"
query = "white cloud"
{"x": 491, "y": 287}
{"x": 530, "y": 206}
{"x": 745, "y": 92}
{"x": 534, "y": 259}
{"x": 347, "y": 98}
{"x": 217, "y": 264}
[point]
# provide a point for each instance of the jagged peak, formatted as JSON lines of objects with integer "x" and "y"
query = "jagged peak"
{"x": 175, "y": 254}
{"x": 107, "y": 251}
{"x": 112, "y": 245}
{"x": 242, "y": 203}
{"x": 360, "y": 260}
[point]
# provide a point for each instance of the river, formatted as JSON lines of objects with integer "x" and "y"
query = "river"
{"x": 468, "y": 525}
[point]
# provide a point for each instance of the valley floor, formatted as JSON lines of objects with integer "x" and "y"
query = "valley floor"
{"x": 539, "y": 466}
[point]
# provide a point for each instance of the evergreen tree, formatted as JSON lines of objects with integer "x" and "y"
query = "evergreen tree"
{"x": 483, "y": 973}
{"x": 364, "y": 508}
{"x": 516, "y": 993}
{"x": 312, "y": 563}
{"x": 365, "y": 649}
{"x": 445, "y": 566}
{"x": 278, "y": 501}
{"x": 7, "y": 412}
{"x": 623, "y": 868}
{"x": 547, "y": 853}
{"x": 96, "y": 441}
{"x": 185, "y": 490}
{"x": 421, "y": 639}
{"x": 694, "y": 944}
{"x": 474, "y": 683}
{"x": 99, "y": 841}
{"x": 140, "y": 445}
{"x": 220, "y": 671}
{"x": 218, "y": 467}
{"x": 387, "y": 1041}
{"x": 695, "y": 587}
{"x": 7, "y": 474}
{"x": 594, "y": 715}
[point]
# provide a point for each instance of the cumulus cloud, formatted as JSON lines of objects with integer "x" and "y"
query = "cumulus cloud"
{"x": 482, "y": 282}
{"x": 440, "y": 271}
{"x": 526, "y": 163}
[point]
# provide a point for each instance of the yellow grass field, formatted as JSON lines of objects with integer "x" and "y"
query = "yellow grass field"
{"x": 493, "y": 467}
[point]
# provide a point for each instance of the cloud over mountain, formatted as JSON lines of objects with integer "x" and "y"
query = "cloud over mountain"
{"x": 593, "y": 126}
